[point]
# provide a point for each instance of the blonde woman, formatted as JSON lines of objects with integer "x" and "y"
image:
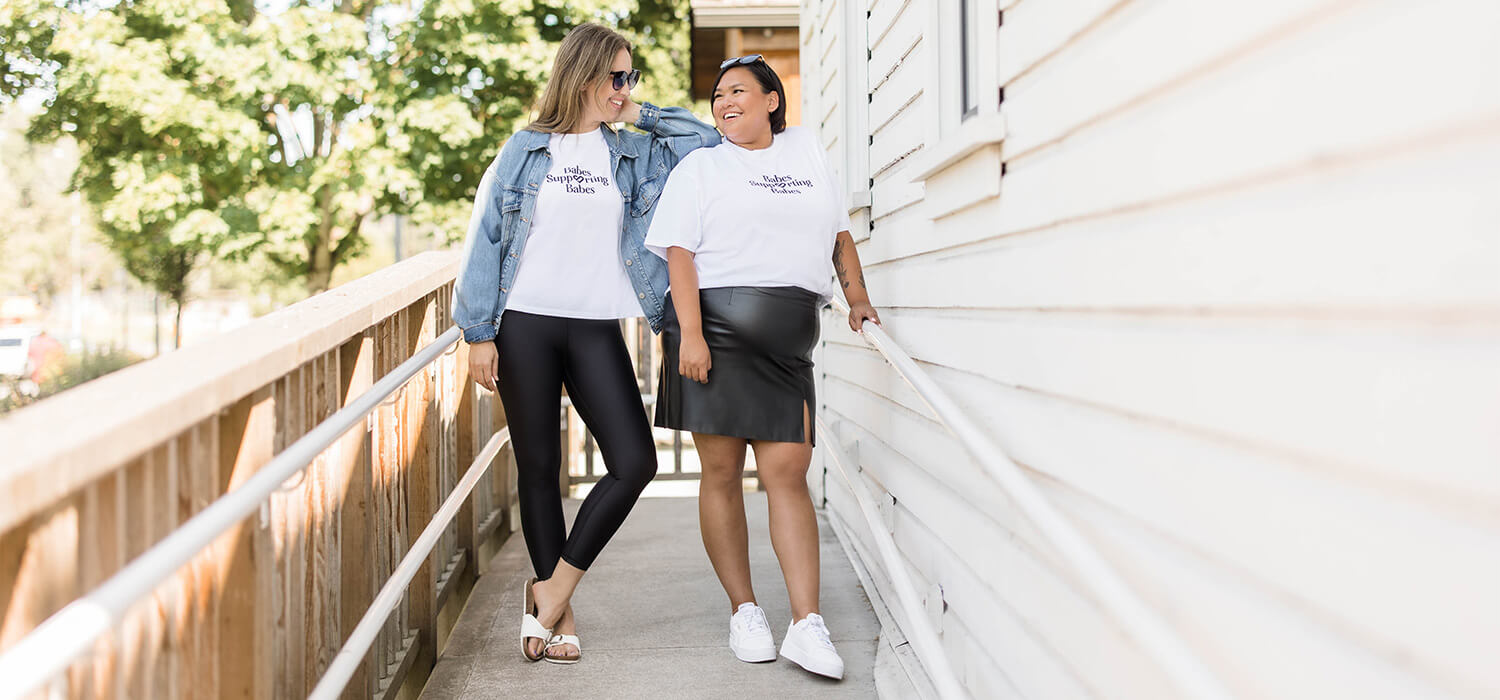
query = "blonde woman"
{"x": 752, "y": 231}
{"x": 555, "y": 256}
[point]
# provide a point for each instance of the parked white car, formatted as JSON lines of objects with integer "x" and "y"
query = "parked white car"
{"x": 15, "y": 342}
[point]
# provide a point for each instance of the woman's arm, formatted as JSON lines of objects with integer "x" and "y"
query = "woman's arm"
{"x": 693, "y": 361}
{"x": 852, "y": 278}
{"x": 674, "y": 126}
{"x": 477, "y": 293}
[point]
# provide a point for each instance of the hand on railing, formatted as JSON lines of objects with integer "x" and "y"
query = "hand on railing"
{"x": 858, "y": 313}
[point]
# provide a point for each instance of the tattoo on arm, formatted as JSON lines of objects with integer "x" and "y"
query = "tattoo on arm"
{"x": 838, "y": 262}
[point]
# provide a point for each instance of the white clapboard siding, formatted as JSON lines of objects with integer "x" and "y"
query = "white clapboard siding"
{"x": 1229, "y": 291}
{"x": 1026, "y": 598}
{"x": 899, "y": 73}
{"x": 1332, "y": 90}
{"x": 1406, "y": 231}
{"x": 824, "y": 78}
{"x": 1045, "y": 29}
{"x": 1322, "y": 392}
{"x": 983, "y": 677}
{"x": 1138, "y": 466}
{"x": 1382, "y": 544}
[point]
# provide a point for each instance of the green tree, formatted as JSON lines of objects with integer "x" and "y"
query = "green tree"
{"x": 214, "y": 128}
{"x": 46, "y": 237}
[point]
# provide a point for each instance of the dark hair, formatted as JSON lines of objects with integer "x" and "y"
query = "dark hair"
{"x": 769, "y": 82}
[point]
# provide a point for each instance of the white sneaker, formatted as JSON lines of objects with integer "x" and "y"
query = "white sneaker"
{"x": 807, "y": 645}
{"x": 750, "y": 635}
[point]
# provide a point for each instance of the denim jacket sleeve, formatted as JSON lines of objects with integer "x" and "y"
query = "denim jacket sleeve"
{"x": 477, "y": 293}
{"x": 676, "y": 129}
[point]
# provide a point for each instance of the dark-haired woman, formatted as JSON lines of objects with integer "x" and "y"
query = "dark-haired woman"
{"x": 554, "y": 258}
{"x": 751, "y": 231}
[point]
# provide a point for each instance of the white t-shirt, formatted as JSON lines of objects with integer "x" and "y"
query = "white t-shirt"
{"x": 765, "y": 218}
{"x": 571, "y": 264}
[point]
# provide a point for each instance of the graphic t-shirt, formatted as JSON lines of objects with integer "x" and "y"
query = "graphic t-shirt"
{"x": 763, "y": 218}
{"x": 571, "y": 263}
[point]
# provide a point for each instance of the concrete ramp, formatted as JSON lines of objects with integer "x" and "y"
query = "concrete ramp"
{"x": 654, "y": 621}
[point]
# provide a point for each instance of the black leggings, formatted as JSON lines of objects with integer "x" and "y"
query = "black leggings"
{"x": 538, "y": 356}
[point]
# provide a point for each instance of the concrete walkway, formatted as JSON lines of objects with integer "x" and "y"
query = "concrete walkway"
{"x": 654, "y": 621}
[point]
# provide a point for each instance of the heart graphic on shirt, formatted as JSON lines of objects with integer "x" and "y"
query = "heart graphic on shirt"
{"x": 782, "y": 184}
{"x": 577, "y": 180}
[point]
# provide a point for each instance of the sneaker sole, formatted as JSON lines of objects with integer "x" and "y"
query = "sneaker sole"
{"x": 792, "y": 654}
{"x": 755, "y": 657}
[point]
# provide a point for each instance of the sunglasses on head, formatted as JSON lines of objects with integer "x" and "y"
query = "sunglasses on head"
{"x": 621, "y": 77}
{"x": 741, "y": 61}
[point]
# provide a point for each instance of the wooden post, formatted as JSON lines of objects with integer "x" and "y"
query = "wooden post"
{"x": 136, "y": 652}
{"x": 734, "y": 42}
{"x": 292, "y": 573}
{"x": 464, "y": 453}
{"x": 382, "y": 524}
{"x": 565, "y": 469}
{"x": 202, "y": 672}
{"x": 509, "y": 499}
{"x": 356, "y": 375}
{"x": 325, "y": 570}
{"x": 38, "y": 572}
{"x": 246, "y": 432}
{"x": 424, "y": 495}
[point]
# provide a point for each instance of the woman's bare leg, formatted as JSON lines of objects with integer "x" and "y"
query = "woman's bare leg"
{"x": 554, "y": 604}
{"x": 782, "y": 467}
{"x": 721, "y": 513}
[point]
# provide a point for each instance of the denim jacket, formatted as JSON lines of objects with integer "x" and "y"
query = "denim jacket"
{"x": 503, "y": 208}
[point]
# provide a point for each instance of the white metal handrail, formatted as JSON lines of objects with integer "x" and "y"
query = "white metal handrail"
{"x": 1141, "y": 622}
{"x": 70, "y": 633}
{"x": 923, "y": 637}
{"x": 346, "y": 662}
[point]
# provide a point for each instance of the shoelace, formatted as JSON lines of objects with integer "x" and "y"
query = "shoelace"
{"x": 757, "y": 622}
{"x": 819, "y": 630}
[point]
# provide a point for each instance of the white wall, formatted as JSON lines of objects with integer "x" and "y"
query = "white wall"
{"x": 1235, "y": 305}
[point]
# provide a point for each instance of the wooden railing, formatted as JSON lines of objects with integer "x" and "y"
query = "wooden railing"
{"x": 94, "y": 476}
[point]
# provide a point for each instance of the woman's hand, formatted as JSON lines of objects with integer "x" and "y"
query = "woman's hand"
{"x": 859, "y": 312}
{"x": 484, "y": 364}
{"x": 693, "y": 361}
{"x": 631, "y": 112}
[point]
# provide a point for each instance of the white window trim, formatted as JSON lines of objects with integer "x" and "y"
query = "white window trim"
{"x": 972, "y": 135}
{"x": 857, "y": 113}
{"x": 956, "y": 137}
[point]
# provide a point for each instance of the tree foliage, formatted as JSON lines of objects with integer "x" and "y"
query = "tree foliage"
{"x": 46, "y": 237}
{"x": 272, "y": 133}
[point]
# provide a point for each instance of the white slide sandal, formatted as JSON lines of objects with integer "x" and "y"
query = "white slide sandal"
{"x": 530, "y": 627}
{"x": 560, "y": 640}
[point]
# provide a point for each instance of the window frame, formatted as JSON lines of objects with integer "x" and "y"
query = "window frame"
{"x": 969, "y": 63}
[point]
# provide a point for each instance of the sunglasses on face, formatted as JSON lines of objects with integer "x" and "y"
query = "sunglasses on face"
{"x": 621, "y": 77}
{"x": 741, "y": 61}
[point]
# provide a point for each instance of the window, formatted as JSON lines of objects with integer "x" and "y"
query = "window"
{"x": 968, "y": 43}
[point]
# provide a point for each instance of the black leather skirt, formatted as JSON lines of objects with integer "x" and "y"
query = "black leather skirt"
{"x": 760, "y": 342}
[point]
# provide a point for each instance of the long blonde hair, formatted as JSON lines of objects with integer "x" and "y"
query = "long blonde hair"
{"x": 585, "y": 57}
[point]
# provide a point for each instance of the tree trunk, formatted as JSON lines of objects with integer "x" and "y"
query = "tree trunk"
{"x": 319, "y": 268}
{"x": 320, "y": 249}
{"x": 177, "y": 323}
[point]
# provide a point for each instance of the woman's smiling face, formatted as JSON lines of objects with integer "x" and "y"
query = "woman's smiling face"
{"x": 602, "y": 103}
{"x": 742, "y": 108}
